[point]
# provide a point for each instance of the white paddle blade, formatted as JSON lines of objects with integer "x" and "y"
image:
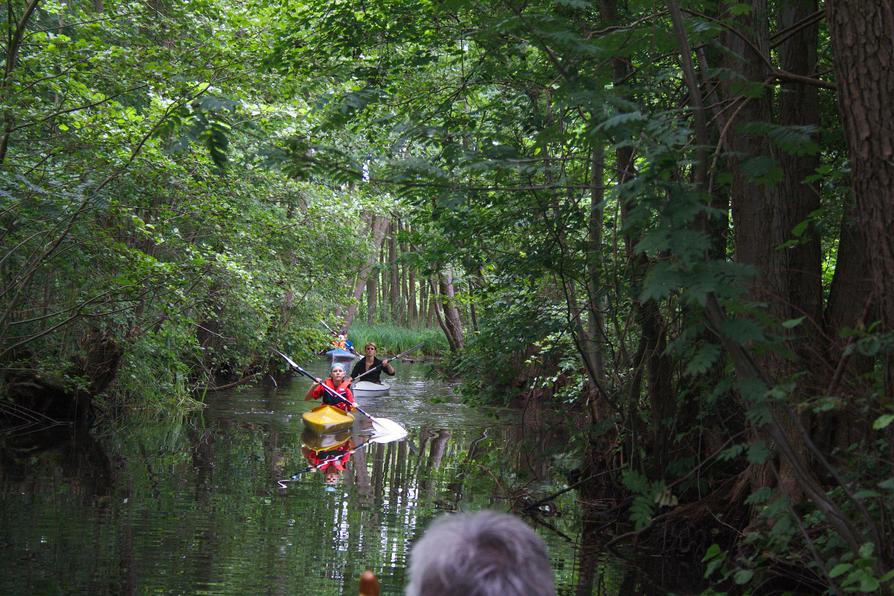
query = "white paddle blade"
{"x": 387, "y": 431}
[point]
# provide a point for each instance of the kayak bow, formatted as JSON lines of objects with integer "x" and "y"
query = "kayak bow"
{"x": 327, "y": 419}
{"x": 370, "y": 389}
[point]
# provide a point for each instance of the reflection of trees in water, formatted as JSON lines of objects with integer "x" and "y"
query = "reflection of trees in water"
{"x": 207, "y": 491}
{"x": 82, "y": 462}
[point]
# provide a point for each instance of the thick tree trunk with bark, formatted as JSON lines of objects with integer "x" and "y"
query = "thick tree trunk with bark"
{"x": 448, "y": 315}
{"x": 758, "y": 207}
{"x": 862, "y": 36}
{"x": 799, "y": 106}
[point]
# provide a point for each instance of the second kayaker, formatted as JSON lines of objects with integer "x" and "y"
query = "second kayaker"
{"x": 337, "y": 383}
{"x": 368, "y": 362}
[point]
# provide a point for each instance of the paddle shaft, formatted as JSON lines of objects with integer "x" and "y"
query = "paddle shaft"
{"x": 389, "y": 360}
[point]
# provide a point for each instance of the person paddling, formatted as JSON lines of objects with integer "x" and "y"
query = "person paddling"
{"x": 336, "y": 381}
{"x": 369, "y": 362}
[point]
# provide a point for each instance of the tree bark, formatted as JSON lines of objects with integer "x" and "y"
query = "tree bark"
{"x": 799, "y": 106}
{"x": 862, "y": 35}
{"x": 758, "y": 207}
{"x": 372, "y": 289}
{"x": 450, "y": 323}
{"x": 412, "y": 308}
{"x": 394, "y": 286}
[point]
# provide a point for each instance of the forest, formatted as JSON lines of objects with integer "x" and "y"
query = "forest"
{"x": 670, "y": 220}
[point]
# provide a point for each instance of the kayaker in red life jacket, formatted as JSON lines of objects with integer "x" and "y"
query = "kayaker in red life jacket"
{"x": 336, "y": 382}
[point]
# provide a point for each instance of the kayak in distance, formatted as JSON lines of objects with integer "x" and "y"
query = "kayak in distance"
{"x": 370, "y": 389}
{"x": 340, "y": 355}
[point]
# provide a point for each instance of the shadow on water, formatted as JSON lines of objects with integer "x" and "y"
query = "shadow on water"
{"x": 195, "y": 506}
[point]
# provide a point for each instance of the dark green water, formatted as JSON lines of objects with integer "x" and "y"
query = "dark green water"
{"x": 193, "y": 507}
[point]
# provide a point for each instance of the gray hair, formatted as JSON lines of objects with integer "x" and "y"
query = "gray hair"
{"x": 480, "y": 554}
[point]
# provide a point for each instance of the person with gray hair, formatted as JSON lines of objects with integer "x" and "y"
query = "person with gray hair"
{"x": 480, "y": 554}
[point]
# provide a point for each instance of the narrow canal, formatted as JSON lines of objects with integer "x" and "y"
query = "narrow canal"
{"x": 194, "y": 506}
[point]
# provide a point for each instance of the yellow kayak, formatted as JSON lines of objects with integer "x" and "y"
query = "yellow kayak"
{"x": 324, "y": 419}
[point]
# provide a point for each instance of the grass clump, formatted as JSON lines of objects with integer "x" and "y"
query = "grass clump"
{"x": 392, "y": 340}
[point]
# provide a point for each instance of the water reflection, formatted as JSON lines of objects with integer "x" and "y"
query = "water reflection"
{"x": 195, "y": 505}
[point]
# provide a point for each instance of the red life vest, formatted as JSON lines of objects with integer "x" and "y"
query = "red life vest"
{"x": 344, "y": 390}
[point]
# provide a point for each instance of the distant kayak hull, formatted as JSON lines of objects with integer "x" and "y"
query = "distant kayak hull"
{"x": 327, "y": 419}
{"x": 370, "y": 389}
{"x": 339, "y": 355}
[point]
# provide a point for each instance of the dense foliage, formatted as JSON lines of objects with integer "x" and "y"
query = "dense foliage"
{"x": 155, "y": 224}
{"x": 656, "y": 213}
{"x": 670, "y": 218}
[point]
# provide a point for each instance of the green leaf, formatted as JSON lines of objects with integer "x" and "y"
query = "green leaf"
{"x": 762, "y": 169}
{"x": 869, "y": 346}
{"x": 792, "y": 323}
{"x": 882, "y": 421}
{"x": 659, "y": 282}
{"x": 868, "y": 583}
{"x": 702, "y": 360}
{"x": 743, "y": 576}
{"x": 742, "y": 330}
{"x": 758, "y": 453}
{"x": 713, "y": 551}
{"x": 635, "y": 481}
{"x": 731, "y": 452}
{"x": 761, "y": 495}
{"x": 840, "y": 569}
{"x": 641, "y": 512}
{"x": 621, "y": 120}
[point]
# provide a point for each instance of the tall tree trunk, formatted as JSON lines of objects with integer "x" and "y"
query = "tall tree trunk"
{"x": 372, "y": 289}
{"x": 423, "y": 303}
{"x": 799, "y": 106}
{"x": 412, "y": 310}
{"x": 435, "y": 301}
{"x": 394, "y": 286}
{"x": 404, "y": 290}
{"x": 862, "y": 35}
{"x": 377, "y": 234}
{"x": 451, "y": 324}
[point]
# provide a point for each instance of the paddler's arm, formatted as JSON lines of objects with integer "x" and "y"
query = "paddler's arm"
{"x": 312, "y": 392}
{"x": 386, "y": 366}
